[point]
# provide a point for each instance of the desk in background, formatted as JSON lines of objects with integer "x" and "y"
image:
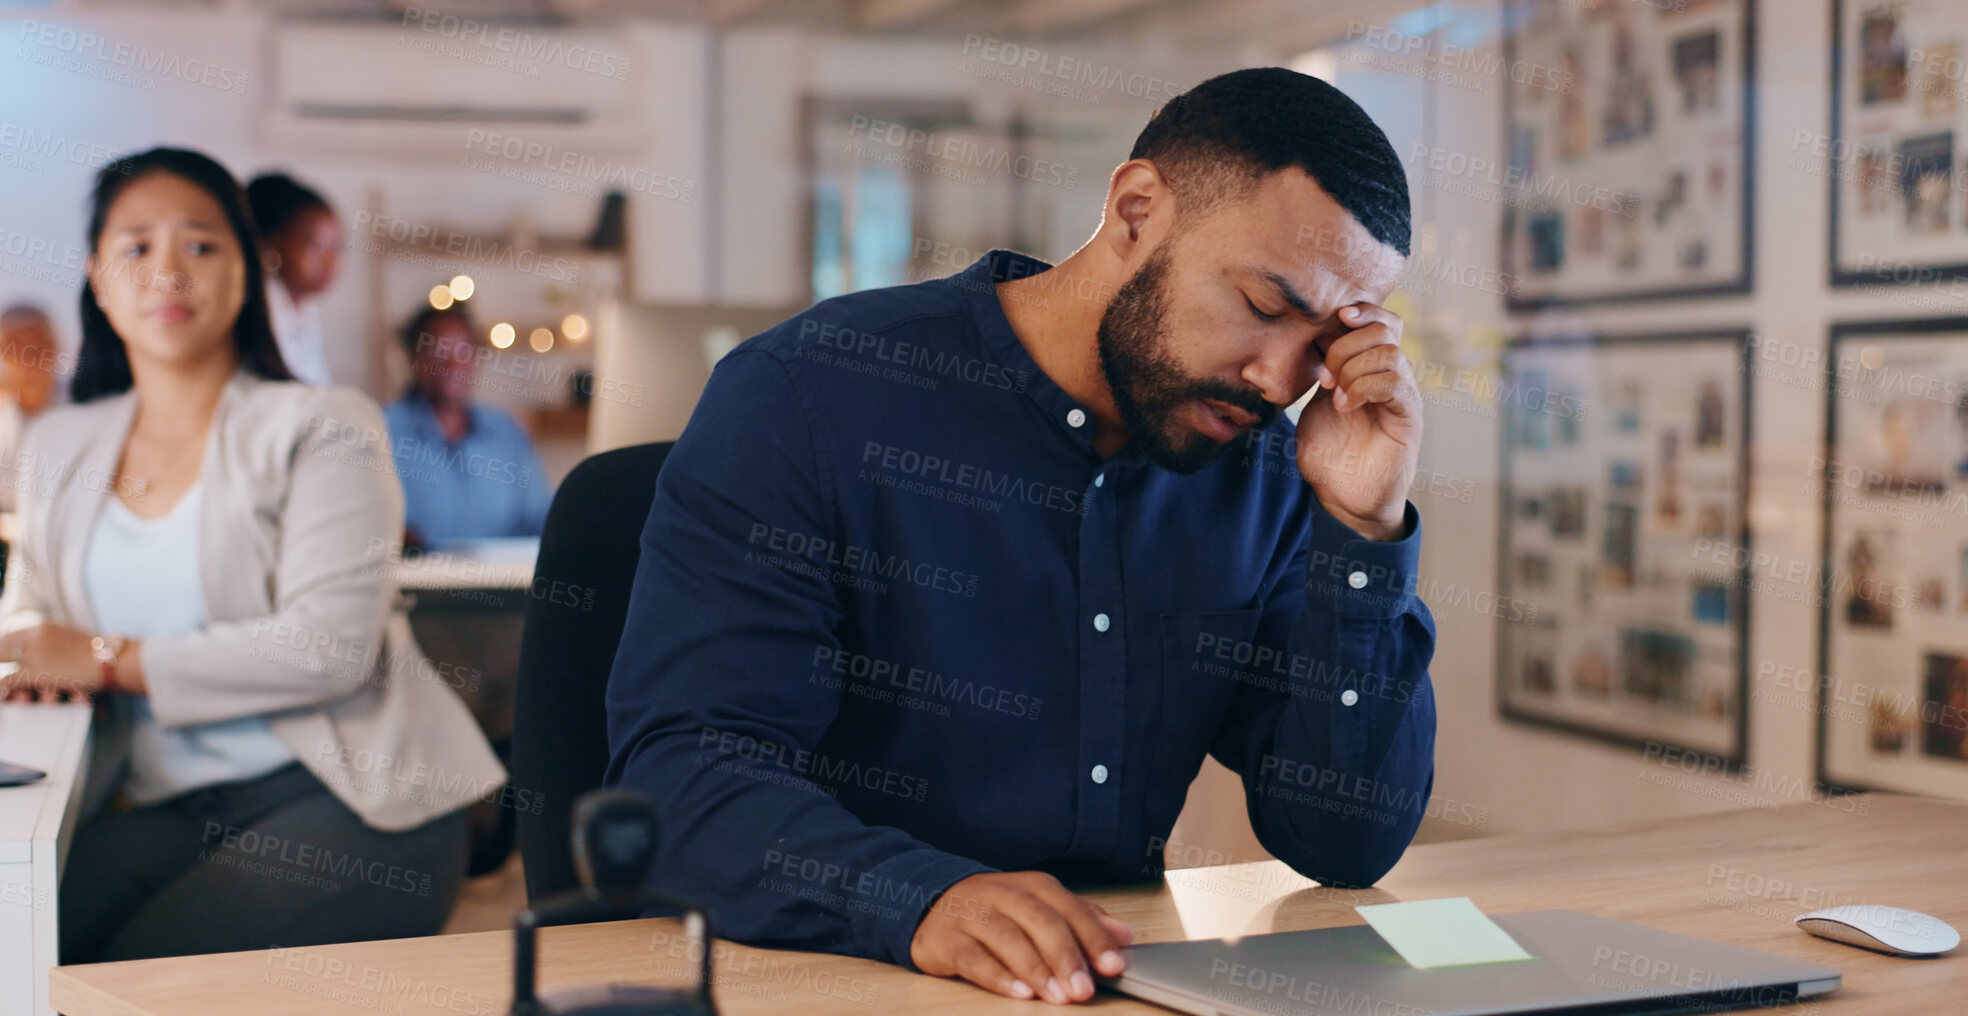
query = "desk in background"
{"x": 467, "y": 606}
{"x": 467, "y": 610}
{"x": 37, "y": 820}
{"x": 1736, "y": 877}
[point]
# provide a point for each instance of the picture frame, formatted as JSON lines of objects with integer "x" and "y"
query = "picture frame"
{"x": 1899, "y": 132}
{"x": 1637, "y": 187}
{"x": 1891, "y": 688}
{"x": 1623, "y": 540}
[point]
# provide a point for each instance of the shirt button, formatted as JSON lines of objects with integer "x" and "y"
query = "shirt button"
{"x": 1100, "y": 622}
{"x": 1348, "y": 697}
{"x": 1098, "y": 480}
{"x": 1357, "y": 580}
{"x": 1076, "y": 417}
{"x": 1099, "y": 774}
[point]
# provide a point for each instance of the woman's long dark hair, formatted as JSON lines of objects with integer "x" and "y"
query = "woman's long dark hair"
{"x": 103, "y": 367}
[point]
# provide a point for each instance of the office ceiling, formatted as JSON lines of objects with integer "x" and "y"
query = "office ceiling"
{"x": 1279, "y": 24}
{"x": 1021, "y": 16}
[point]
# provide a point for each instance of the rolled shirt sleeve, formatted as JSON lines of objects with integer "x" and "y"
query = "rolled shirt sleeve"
{"x": 1338, "y": 766}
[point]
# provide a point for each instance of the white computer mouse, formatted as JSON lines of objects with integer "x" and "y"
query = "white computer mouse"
{"x": 1886, "y": 929}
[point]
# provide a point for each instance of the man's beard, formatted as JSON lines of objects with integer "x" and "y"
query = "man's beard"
{"x": 1149, "y": 387}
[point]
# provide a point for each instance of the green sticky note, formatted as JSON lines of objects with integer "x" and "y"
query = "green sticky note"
{"x": 1442, "y": 933}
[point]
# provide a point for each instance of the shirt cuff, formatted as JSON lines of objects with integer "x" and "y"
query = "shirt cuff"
{"x": 916, "y": 881}
{"x": 1349, "y": 575}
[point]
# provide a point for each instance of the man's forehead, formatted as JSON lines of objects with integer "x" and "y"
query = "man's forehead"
{"x": 1309, "y": 238}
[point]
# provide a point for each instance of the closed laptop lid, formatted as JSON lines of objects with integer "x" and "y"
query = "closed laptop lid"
{"x": 1581, "y": 960}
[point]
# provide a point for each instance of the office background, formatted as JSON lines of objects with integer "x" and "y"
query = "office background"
{"x": 772, "y": 152}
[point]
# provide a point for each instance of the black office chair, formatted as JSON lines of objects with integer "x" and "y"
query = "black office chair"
{"x": 574, "y": 618}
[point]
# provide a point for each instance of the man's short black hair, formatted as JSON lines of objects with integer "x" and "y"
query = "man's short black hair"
{"x": 1220, "y": 138}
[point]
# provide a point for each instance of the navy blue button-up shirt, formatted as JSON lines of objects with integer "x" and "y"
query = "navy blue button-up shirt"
{"x": 897, "y": 623}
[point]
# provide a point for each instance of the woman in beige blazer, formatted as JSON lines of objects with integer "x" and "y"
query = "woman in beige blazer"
{"x": 204, "y": 548}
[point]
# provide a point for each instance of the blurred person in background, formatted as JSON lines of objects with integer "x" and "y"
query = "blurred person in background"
{"x": 469, "y": 471}
{"x": 28, "y": 360}
{"x": 302, "y": 240}
{"x": 205, "y": 567}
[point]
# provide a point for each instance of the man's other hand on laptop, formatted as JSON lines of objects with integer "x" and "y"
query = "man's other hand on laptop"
{"x": 1038, "y": 939}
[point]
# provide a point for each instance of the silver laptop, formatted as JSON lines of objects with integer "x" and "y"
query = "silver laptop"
{"x": 1584, "y": 964}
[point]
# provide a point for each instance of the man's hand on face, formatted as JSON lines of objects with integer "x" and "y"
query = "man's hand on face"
{"x": 1359, "y": 447}
{"x": 1037, "y": 941}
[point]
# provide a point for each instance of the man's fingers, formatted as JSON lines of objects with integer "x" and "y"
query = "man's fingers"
{"x": 1358, "y": 341}
{"x": 1055, "y": 940}
{"x": 975, "y": 964}
{"x": 1371, "y": 361}
{"x": 1385, "y": 389}
{"x": 1321, "y": 377}
{"x": 1368, "y": 326}
{"x": 1122, "y": 931}
{"x": 1360, "y": 314}
{"x": 1041, "y": 948}
{"x": 1380, "y": 360}
{"x": 1097, "y": 942}
{"x": 1015, "y": 951}
{"x": 1356, "y": 351}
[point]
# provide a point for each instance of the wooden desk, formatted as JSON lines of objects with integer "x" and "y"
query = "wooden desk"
{"x": 1736, "y": 877}
{"x": 36, "y": 822}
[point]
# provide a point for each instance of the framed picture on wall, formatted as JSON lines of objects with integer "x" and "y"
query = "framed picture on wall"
{"x": 1897, "y": 156}
{"x": 1624, "y": 546}
{"x": 1629, "y": 133}
{"x": 1892, "y": 678}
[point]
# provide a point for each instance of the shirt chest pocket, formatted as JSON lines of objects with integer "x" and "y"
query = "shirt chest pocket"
{"x": 1198, "y": 682}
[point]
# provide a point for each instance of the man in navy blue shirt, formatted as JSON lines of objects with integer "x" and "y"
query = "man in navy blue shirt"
{"x": 949, "y": 588}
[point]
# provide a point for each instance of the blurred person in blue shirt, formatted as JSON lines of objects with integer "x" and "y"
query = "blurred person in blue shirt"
{"x": 469, "y": 470}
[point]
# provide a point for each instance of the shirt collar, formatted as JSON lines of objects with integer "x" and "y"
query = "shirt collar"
{"x": 978, "y": 284}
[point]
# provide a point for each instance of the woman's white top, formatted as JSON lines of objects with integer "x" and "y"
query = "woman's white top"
{"x": 141, "y": 577}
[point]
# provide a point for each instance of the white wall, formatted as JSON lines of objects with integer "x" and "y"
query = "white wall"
{"x": 1531, "y": 779}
